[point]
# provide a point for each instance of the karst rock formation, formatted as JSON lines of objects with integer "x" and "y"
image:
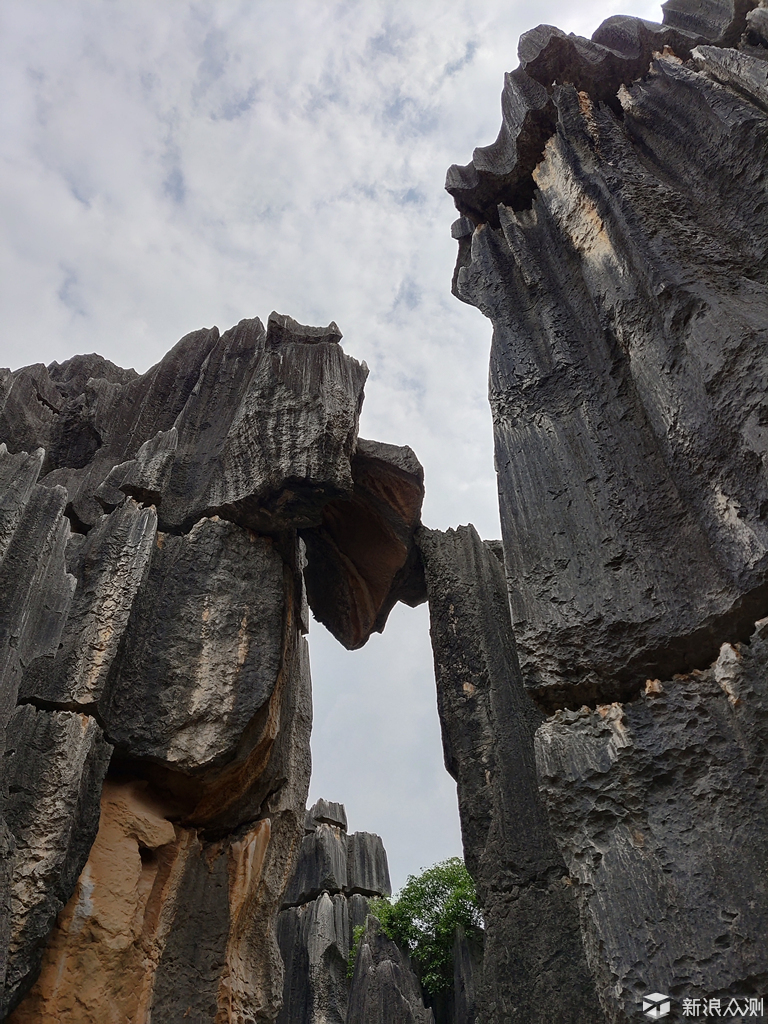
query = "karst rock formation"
{"x": 602, "y": 671}
{"x": 156, "y": 533}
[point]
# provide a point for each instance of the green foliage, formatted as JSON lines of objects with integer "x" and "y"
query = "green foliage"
{"x": 424, "y": 915}
{"x": 357, "y": 934}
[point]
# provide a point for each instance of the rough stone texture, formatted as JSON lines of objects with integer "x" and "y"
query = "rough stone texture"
{"x": 534, "y": 966}
{"x": 155, "y": 926}
{"x": 323, "y": 905}
{"x": 166, "y": 924}
{"x": 616, "y": 237}
{"x": 109, "y": 566}
{"x": 315, "y": 940}
{"x": 660, "y": 807}
{"x": 35, "y": 588}
{"x": 185, "y": 646}
{"x": 202, "y": 649}
{"x": 629, "y": 304}
{"x": 467, "y": 972}
{"x": 259, "y": 426}
{"x": 361, "y": 559}
{"x": 367, "y": 867}
{"x": 328, "y": 812}
{"x": 53, "y": 768}
{"x": 322, "y": 865}
{"x": 618, "y": 53}
{"x": 384, "y": 986}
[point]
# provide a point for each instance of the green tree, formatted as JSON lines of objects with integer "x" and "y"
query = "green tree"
{"x": 423, "y": 917}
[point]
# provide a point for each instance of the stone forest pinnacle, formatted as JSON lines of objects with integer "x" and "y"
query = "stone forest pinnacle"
{"x": 602, "y": 671}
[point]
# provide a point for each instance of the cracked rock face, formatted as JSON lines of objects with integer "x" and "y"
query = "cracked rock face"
{"x": 615, "y": 235}
{"x": 660, "y": 808}
{"x": 384, "y": 986}
{"x": 54, "y": 765}
{"x": 324, "y": 902}
{"x": 152, "y": 621}
{"x": 627, "y": 288}
{"x": 534, "y": 963}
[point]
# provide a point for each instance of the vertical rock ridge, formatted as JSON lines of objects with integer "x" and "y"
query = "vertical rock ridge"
{"x": 171, "y": 626}
{"x": 323, "y": 904}
{"x": 618, "y": 247}
{"x": 534, "y": 963}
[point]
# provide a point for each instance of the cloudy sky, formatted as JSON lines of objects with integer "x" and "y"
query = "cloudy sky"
{"x": 169, "y": 165}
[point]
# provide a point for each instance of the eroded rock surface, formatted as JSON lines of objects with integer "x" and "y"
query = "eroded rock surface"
{"x": 152, "y": 621}
{"x": 227, "y": 424}
{"x": 384, "y": 986}
{"x": 362, "y": 559}
{"x": 53, "y": 768}
{"x": 626, "y": 284}
{"x": 616, "y": 236}
{"x": 324, "y": 902}
{"x": 660, "y": 808}
{"x": 534, "y": 963}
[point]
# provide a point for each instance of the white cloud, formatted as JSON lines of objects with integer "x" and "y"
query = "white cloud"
{"x": 170, "y": 166}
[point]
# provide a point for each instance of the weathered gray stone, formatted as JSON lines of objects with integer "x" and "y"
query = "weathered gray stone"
{"x": 267, "y": 437}
{"x": 53, "y": 768}
{"x": 110, "y": 565}
{"x": 202, "y": 649}
{"x": 317, "y": 922}
{"x": 624, "y": 382}
{"x": 358, "y": 910}
{"x": 498, "y": 171}
{"x": 326, "y": 812}
{"x": 315, "y": 940}
{"x": 321, "y": 867}
{"x": 7, "y": 855}
{"x": 367, "y": 867}
{"x": 534, "y": 964}
{"x": 362, "y": 559}
{"x": 108, "y": 413}
{"x": 744, "y": 73}
{"x": 35, "y": 588}
{"x": 660, "y": 809}
{"x": 618, "y": 53}
{"x": 384, "y": 986}
{"x": 259, "y": 426}
{"x": 755, "y": 36}
{"x": 467, "y": 973}
{"x": 717, "y": 21}
{"x": 18, "y": 475}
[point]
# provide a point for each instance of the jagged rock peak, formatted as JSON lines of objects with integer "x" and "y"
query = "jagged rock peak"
{"x": 618, "y": 300}
{"x": 326, "y": 899}
{"x": 618, "y": 53}
{"x": 332, "y": 861}
{"x": 284, "y": 330}
{"x": 325, "y": 812}
{"x": 258, "y": 427}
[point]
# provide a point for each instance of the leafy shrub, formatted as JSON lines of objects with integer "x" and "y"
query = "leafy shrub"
{"x": 424, "y": 915}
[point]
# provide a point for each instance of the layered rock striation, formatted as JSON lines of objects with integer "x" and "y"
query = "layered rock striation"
{"x": 156, "y": 700}
{"x": 534, "y": 964}
{"x": 607, "y": 733}
{"x": 625, "y": 279}
{"x": 326, "y": 899}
